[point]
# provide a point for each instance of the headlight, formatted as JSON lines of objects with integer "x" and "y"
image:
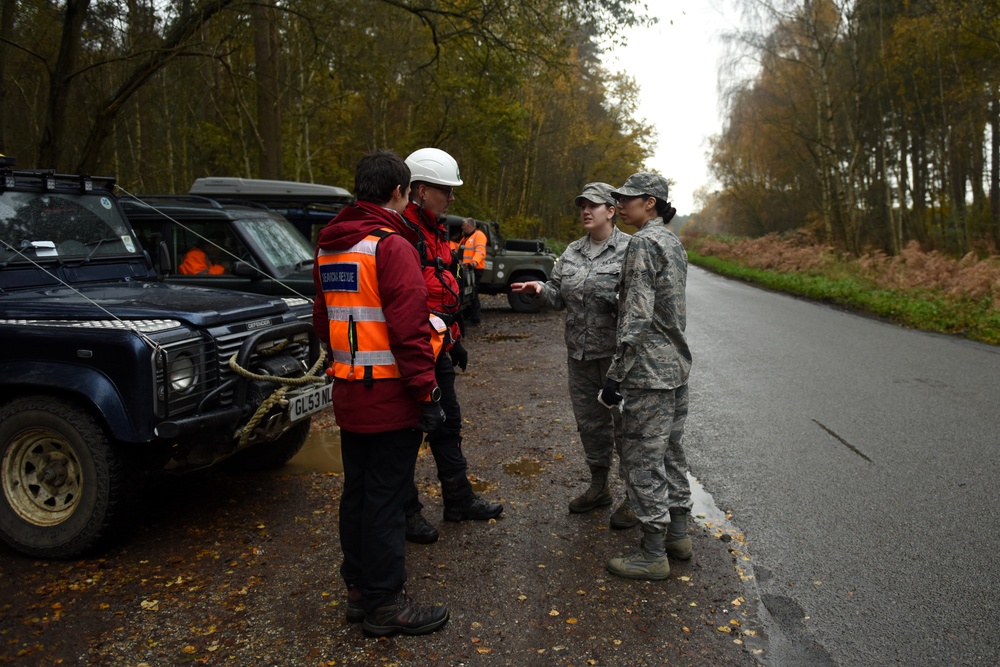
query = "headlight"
{"x": 183, "y": 373}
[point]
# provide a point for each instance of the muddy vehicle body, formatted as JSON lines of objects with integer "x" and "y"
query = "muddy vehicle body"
{"x": 108, "y": 375}
{"x": 510, "y": 261}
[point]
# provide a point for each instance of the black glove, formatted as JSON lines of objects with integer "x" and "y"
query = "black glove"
{"x": 609, "y": 396}
{"x": 459, "y": 355}
{"x": 431, "y": 417}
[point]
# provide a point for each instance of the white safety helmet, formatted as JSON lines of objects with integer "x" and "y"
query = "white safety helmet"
{"x": 433, "y": 165}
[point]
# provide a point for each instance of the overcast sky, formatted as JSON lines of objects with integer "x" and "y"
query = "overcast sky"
{"x": 676, "y": 67}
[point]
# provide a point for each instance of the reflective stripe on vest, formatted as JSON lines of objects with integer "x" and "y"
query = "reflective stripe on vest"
{"x": 359, "y": 337}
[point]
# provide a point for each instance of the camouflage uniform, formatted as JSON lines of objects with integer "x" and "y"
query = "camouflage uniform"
{"x": 652, "y": 362}
{"x": 587, "y": 288}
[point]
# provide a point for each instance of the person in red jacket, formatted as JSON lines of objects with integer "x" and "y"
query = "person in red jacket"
{"x": 433, "y": 176}
{"x": 372, "y": 309}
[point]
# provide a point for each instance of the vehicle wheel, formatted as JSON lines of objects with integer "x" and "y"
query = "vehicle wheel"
{"x": 522, "y": 303}
{"x": 63, "y": 482}
{"x": 274, "y": 454}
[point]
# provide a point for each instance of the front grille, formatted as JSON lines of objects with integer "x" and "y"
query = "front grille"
{"x": 230, "y": 344}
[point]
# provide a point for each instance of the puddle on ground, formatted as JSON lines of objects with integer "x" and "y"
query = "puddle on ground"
{"x": 321, "y": 453}
{"x": 524, "y": 468}
{"x": 703, "y": 505}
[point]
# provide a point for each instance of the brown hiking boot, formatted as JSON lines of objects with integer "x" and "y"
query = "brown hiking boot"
{"x": 355, "y": 612}
{"x": 624, "y": 516}
{"x": 404, "y": 615}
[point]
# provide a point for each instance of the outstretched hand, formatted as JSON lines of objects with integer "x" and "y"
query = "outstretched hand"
{"x": 530, "y": 287}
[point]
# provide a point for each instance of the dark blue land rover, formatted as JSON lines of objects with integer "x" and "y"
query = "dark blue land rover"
{"x": 108, "y": 374}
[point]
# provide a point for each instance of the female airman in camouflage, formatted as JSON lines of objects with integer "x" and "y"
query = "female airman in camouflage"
{"x": 647, "y": 379}
{"x": 584, "y": 283}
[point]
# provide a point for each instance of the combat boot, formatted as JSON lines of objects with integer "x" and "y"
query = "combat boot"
{"x": 624, "y": 516}
{"x": 403, "y": 615}
{"x": 597, "y": 494}
{"x": 649, "y": 562}
{"x": 419, "y": 531}
{"x": 678, "y": 542}
{"x": 476, "y": 508}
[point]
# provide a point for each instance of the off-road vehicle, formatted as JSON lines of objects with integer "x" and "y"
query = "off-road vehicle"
{"x": 308, "y": 206}
{"x": 510, "y": 261}
{"x": 259, "y": 249}
{"x": 108, "y": 375}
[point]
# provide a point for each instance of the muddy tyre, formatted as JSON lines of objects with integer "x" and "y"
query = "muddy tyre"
{"x": 272, "y": 455}
{"x": 63, "y": 483}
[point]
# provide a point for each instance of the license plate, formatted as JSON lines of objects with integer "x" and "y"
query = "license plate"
{"x": 313, "y": 400}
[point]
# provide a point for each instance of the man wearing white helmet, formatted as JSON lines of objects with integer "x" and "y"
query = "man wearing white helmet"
{"x": 433, "y": 177}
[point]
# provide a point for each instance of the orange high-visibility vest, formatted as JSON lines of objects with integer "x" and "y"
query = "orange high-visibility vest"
{"x": 196, "y": 262}
{"x": 359, "y": 337}
{"x": 474, "y": 249}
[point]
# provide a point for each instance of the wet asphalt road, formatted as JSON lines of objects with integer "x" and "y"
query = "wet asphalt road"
{"x": 860, "y": 459}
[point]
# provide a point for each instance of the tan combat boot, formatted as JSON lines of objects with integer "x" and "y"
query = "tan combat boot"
{"x": 678, "y": 542}
{"x": 649, "y": 562}
{"x": 597, "y": 494}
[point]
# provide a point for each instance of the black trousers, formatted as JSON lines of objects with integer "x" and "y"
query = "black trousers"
{"x": 446, "y": 445}
{"x": 475, "y": 308}
{"x": 378, "y": 474}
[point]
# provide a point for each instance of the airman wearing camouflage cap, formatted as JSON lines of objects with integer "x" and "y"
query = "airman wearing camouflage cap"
{"x": 599, "y": 193}
{"x": 648, "y": 379}
{"x": 643, "y": 183}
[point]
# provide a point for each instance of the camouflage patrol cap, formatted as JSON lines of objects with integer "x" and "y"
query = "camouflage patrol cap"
{"x": 599, "y": 193}
{"x": 643, "y": 183}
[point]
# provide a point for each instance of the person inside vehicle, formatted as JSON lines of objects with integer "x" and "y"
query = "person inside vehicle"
{"x": 206, "y": 257}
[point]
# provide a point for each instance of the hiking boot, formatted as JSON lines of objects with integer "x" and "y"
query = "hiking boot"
{"x": 597, "y": 494}
{"x": 355, "y": 612}
{"x": 624, "y": 516}
{"x": 678, "y": 542}
{"x": 477, "y": 508}
{"x": 649, "y": 562}
{"x": 404, "y": 615}
{"x": 419, "y": 531}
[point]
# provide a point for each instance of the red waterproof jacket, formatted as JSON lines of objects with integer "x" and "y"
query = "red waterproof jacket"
{"x": 443, "y": 292}
{"x": 390, "y": 404}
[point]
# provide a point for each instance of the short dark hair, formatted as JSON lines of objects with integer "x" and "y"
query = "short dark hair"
{"x": 378, "y": 174}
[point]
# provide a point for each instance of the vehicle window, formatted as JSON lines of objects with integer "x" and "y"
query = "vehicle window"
{"x": 278, "y": 241}
{"x": 62, "y": 225}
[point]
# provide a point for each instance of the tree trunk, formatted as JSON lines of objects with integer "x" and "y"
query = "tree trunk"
{"x": 51, "y": 146}
{"x": 6, "y": 33}
{"x": 268, "y": 98}
{"x": 995, "y": 166}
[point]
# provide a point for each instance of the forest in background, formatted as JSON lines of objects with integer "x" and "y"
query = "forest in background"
{"x": 160, "y": 92}
{"x": 869, "y": 123}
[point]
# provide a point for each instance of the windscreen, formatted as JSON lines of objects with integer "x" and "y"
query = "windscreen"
{"x": 279, "y": 242}
{"x": 53, "y": 225}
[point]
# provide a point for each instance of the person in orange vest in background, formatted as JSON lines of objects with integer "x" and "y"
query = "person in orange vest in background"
{"x": 199, "y": 261}
{"x": 474, "y": 252}
{"x": 433, "y": 177}
{"x": 371, "y": 308}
